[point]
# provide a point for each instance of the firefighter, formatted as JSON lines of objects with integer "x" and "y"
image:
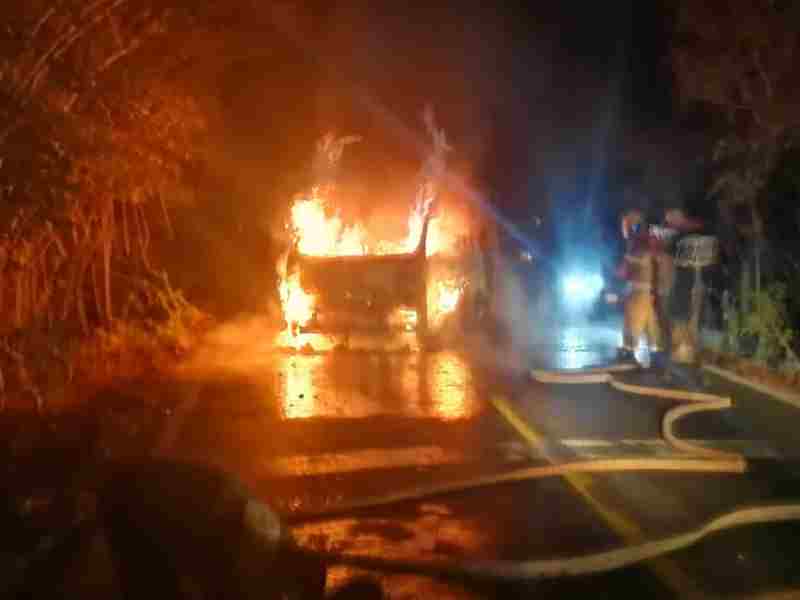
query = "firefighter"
{"x": 639, "y": 268}
{"x": 682, "y": 343}
{"x": 630, "y": 223}
{"x": 663, "y": 237}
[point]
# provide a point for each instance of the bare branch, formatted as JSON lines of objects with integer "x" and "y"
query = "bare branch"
{"x": 42, "y": 20}
{"x": 65, "y": 41}
{"x": 119, "y": 54}
{"x": 762, "y": 72}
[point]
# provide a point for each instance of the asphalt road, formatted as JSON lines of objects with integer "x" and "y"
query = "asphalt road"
{"x": 307, "y": 430}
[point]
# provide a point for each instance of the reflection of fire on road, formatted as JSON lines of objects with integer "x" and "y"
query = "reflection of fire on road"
{"x": 299, "y": 393}
{"x": 451, "y": 391}
{"x": 318, "y": 233}
{"x": 440, "y": 386}
{"x": 435, "y": 385}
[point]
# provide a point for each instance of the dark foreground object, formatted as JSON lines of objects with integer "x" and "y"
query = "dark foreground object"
{"x": 177, "y": 530}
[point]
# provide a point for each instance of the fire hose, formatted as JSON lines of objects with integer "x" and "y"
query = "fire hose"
{"x": 699, "y": 402}
{"x": 610, "y": 465}
{"x": 713, "y": 461}
{"x": 267, "y": 525}
{"x": 575, "y": 565}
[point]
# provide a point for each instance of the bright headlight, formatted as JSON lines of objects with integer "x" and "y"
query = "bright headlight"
{"x": 596, "y": 283}
{"x": 573, "y": 285}
{"x": 580, "y": 287}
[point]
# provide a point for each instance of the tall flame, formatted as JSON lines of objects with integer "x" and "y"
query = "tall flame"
{"x": 320, "y": 235}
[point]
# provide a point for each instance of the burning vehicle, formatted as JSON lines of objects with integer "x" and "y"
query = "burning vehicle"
{"x": 339, "y": 277}
{"x": 334, "y": 278}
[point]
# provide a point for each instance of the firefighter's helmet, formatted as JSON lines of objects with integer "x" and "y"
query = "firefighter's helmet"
{"x": 632, "y": 223}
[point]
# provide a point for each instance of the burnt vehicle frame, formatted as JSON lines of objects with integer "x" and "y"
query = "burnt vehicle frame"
{"x": 362, "y": 291}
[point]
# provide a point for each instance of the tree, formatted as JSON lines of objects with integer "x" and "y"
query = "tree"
{"x": 89, "y": 151}
{"x": 90, "y": 144}
{"x": 737, "y": 58}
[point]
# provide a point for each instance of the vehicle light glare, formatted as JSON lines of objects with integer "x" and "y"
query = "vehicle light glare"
{"x": 581, "y": 287}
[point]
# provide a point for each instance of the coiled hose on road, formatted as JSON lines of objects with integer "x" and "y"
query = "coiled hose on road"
{"x": 699, "y": 402}
{"x": 261, "y": 520}
{"x": 711, "y": 461}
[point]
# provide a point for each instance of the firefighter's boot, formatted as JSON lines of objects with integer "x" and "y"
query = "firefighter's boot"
{"x": 659, "y": 362}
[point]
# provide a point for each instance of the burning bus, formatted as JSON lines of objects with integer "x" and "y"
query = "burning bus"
{"x": 339, "y": 277}
{"x": 336, "y": 278}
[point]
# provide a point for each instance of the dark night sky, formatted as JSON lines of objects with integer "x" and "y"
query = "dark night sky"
{"x": 552, "y": 106}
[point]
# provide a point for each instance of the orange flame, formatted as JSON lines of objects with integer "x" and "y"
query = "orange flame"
{"x": 298, "y": 305}
{"x": 443, "y": 298}
{"x": 320, "y": 235}
{"x": 317, "y": 233}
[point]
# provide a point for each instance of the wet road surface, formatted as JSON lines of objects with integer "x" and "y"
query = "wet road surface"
{"x": 306, "y": 430}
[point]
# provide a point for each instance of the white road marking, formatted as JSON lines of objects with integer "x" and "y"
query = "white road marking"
{"x": 749, "y": 448}
{"x": 366, "y": 459}
{"x": 588, "y": 443}
{"x": 338, "y": 463}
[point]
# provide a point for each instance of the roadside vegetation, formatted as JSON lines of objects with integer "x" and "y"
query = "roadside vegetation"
{"x": 733, "y": 62}
{"x": 99, "y": 145}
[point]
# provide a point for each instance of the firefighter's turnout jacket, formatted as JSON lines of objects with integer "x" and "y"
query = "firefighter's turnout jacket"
{"x": 640, "y": 269}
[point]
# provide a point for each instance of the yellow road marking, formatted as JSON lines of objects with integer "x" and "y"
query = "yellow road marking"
{"x": 666, "y": 569}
